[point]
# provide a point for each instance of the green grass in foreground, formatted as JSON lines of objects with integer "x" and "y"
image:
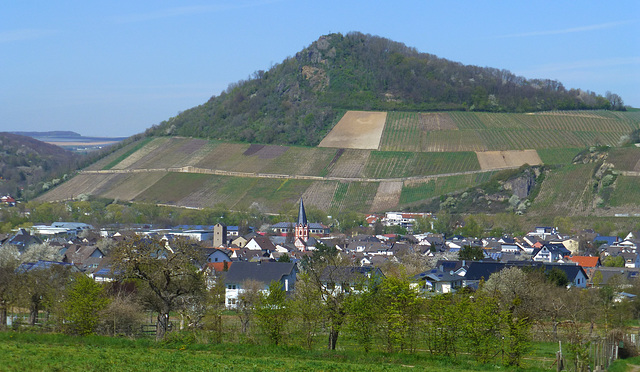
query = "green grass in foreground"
{"x": 55, "y": 352}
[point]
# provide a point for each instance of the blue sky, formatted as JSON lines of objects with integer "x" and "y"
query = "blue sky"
{"x": 115, "y": 68}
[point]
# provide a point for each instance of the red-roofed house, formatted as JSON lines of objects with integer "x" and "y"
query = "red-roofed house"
{"x": 586, "y": 261}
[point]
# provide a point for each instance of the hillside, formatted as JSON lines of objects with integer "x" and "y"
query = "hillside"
{"x": 299, "y": 100}
{"x": 475, "y": 167}
{"x": 28, "y": 165}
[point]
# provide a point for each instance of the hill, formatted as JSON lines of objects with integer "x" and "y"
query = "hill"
{"x": 27, "y": 165}
{"x": 459, "y": 175}
{"x": 299, "y": 100}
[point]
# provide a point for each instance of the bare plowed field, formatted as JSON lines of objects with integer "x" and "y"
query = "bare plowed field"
{"x": 350, "y": 164}
{"x": 357, "y": 130}
{"x": 502, "y": 159}
{"x": 387, "y": 197}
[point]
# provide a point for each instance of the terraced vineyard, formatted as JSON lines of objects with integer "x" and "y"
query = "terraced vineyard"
{"x": 625, "y": 159}
{"x": 567, "y": 191}
{"x": 420, "y": 156}
{"x": 392, "y": 164}
{"x": 478, "y": 131}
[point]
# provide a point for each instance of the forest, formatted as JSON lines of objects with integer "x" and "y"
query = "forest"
{"x": 299, "y": 100}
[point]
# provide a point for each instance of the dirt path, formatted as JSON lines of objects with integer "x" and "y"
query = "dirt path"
{"x": 219, "y": 172}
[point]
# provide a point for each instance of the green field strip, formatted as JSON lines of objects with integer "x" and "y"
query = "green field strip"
{"x": 417, "y": 192}
{"x": 338, "y": 197}
{"x": 173, "y": 187}
{"x": 273, "y": 194}
{"x": 566, "y": 190}
{"x": 558, "y": 156}
{"x": 129, "y": 151}
{"x": 626, "y": 192}
{"x": 624, "y": 159}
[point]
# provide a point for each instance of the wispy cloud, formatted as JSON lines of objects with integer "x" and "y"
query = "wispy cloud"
{"x": 600, "y": 26}
{"x": 188, "y": 10}
{"x": 584, "y": 65}
{"x": 24, "y": 34}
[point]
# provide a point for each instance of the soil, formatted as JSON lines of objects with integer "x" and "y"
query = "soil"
{"x": 357, "y": 130}
{"x": 503, "y": 159}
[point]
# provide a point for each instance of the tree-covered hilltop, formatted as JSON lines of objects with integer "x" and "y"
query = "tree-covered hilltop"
{"x": 26, "y": 165}
{"x": 298, "y": 100}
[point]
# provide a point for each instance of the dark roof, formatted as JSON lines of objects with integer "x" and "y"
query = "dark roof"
{"x": 482, "y": 270}
{"x": 29, "y": 266}
{"x": 264, "y": 242}
{"x": 264, "y": 272}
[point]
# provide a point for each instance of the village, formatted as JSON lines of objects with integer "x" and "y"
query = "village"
{"x": 299, "y": 280}
{"x": 250, "y": 257}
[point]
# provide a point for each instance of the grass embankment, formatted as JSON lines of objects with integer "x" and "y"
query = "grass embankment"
{"x": 55, "y": 352}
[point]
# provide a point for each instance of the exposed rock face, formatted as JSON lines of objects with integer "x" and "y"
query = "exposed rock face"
{"x": 521, "y": 186}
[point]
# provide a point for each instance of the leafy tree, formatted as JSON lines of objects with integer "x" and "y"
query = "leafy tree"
{"x": 365, "y": 316}
{"x": 557, "y": 277}
{"x": 399, "y": 306}
{"x": 273, "y": 312}
{"x": 248, "y": 299}
{"x": 470, "y": 253}
{"x": 307, "y": 306}
{"x": 82, "y": 305}
{"x": 610, "y": 261}
{"x": 471, "y": 228}
{"x": 284, "y": 258}
{"x": 39, "y": 288}
{"x": 166, "y": 271}
{"x": 123, "y": 315}
{"x": 9, "y": 284}
{"x": 481, "y": 326}
{"x": 334, "y": 302}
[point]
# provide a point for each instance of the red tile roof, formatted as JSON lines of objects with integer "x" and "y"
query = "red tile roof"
{"x": 586, "y": 261}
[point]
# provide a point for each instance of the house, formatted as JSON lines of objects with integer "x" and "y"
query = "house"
{"x": 260, "y": 243}
{"x": 263, "y": 273}
{"x": 85, "y": 257}
{"x": 436, "y": 280}
{"x": 22, "y": 240}
{"x": 214, "y": 255}
{"x": 550, "y": 253}
{"x": 338, "y": 279}
{"x": 8, "y": 200}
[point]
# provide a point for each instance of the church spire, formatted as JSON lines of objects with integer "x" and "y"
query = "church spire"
{"x": 302, "y": 215}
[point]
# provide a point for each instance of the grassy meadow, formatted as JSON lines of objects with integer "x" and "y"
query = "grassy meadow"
{"x": 56, "y": 352}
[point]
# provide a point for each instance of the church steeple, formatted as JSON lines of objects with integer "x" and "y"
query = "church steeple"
{"x": 302, "y": 229}
{"x": 302, "y": 215}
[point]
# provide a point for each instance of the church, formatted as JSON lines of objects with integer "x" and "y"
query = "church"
{"x": 304, "y": 233}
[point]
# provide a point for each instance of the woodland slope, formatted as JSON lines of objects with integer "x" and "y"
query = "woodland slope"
{"x": 299, "y": 100}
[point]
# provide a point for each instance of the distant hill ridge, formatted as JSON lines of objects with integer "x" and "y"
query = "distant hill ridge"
{"x": 299, "y": 100}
